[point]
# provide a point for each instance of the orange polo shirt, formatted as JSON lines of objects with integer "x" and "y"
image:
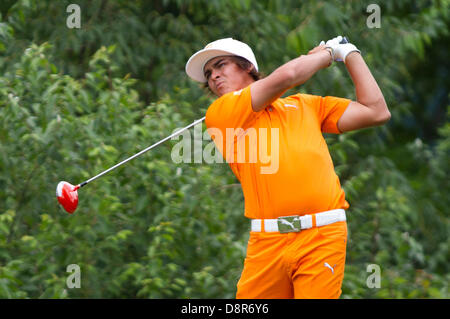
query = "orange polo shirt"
{"x": 279, "y": 154}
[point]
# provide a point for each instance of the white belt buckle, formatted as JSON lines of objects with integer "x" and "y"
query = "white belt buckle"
{"x": 288, "y": 224}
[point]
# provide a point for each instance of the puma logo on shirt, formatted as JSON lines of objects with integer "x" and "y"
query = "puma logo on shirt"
{"x": 328, "y": 266}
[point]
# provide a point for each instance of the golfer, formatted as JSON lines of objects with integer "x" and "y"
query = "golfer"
{"x": 298, "y": 236}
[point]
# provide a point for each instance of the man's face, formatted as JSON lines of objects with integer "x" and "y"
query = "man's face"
{"x": 224, "y": 75}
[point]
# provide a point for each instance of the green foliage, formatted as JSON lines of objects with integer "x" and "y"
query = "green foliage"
{"x": 132, "y": 232}
{"x": 74, "y": 102}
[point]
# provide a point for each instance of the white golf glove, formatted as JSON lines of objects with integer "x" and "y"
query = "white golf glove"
{"x": 339, "y": 50}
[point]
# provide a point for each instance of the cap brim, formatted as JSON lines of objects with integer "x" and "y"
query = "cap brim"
{"x": 196, "y": 63}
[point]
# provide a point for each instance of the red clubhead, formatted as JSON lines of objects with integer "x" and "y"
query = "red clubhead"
{"x": 67, "y": 196}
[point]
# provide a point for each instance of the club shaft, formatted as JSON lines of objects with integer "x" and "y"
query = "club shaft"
{"x": 141, "y": 152}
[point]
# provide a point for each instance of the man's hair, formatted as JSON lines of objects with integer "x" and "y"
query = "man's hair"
{"x": 244, "y": 64}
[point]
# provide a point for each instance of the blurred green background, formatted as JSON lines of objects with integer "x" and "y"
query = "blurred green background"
{"x": 74, "y": 102}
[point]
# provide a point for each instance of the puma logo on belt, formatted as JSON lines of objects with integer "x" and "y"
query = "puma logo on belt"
{"x": 285, "y": 222}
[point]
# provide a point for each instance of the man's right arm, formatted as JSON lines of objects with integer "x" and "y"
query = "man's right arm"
{"x": 289, "y": 75}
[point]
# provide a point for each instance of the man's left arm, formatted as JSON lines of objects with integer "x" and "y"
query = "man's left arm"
{"x": 370, "y": 108}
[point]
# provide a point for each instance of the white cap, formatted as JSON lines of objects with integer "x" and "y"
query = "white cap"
{"x": 228, "y": 46}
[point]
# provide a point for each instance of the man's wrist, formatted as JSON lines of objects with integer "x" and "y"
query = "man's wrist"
{"x": 331, "y": 51}
{"x": 350, "y": 56}
{"x": 329, "y": 56}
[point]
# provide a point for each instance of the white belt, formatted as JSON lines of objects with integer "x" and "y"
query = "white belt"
{"x": 286, "y": 224}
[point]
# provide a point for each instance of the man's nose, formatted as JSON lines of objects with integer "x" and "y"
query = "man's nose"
{"x": 215, "y": 74}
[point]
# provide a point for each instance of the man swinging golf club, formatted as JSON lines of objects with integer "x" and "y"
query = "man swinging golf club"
{"x": 298, "y": 235}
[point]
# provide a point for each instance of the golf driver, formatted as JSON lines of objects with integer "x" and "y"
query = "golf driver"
{"x": 67, "y": 194}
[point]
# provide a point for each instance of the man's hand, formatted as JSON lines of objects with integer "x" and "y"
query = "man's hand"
{"x": 339, "y": 50}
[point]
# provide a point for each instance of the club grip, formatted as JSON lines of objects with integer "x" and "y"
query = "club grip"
{"x": 344, "y": 40}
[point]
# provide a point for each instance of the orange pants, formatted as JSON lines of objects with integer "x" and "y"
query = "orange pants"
{"x": 307, "y": 264}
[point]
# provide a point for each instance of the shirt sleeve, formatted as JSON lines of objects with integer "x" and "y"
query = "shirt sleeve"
{"x": 330, "y": 111}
